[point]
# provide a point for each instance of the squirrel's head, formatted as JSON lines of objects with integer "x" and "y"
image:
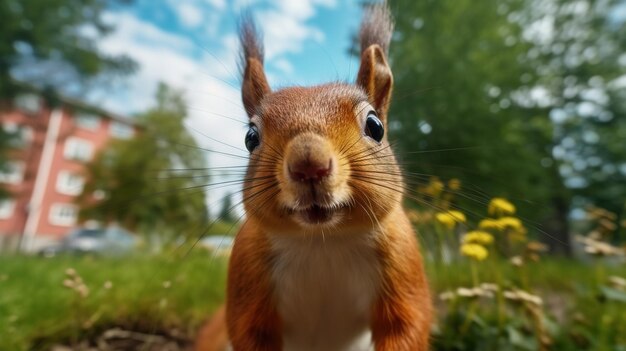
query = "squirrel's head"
{"x": 319, "y": 156}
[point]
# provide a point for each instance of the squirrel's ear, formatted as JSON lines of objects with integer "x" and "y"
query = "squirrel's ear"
{"x": 376, "y": 79}
{"x": 374, "y": 74}
{"x": 254, "y": 85}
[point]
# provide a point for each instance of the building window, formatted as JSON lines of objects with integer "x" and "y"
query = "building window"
{"x": 78, "y": 149}
{"x": 63, "y": 215}
{"x": 70, "y": 183}
{"x": 6, "y": 208}
{"x": 87, "y": 121}
{"x": 29, "y": 103}
{"x": 121, "y": 130}
{"x": 13, "y": 174}
{"x": 22, "y": 135}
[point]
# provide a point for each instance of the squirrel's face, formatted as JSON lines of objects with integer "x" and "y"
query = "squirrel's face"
{"x": 319, "y": 159}
{"x": 319, "y": 156}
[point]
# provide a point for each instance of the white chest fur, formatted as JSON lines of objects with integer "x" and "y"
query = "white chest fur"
{"x": 325, "y": 289}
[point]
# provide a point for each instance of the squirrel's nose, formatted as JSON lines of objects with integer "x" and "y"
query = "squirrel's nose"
{"x": 310, "y": 170}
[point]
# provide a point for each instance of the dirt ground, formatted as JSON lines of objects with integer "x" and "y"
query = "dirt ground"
{"x": 117, "y": 339}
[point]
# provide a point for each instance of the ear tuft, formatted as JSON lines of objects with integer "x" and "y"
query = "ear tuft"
{"x": 376, "y": 27}
{"x": 250, "y": 40}
{"x": 254, "y": 83}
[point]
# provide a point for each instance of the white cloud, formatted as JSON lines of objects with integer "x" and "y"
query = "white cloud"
{"x": 144, "y": 33}
{"x": 212, "y": 100}
{"x": 285, "y": 26}
{"x": 212, "y": 96}
{"x": 284, "y": 65}
{"x": 218, "y": 4}
{"x": 189, "y": 14}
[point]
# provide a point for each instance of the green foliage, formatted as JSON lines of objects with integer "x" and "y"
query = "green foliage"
{"x": 458, "y": 66}
{"x": 54, "y": 42}
{"x": 152, "y": 293}
{"x": 155, "y": 182}
{"x": 226, "y": 212}
{"x": 148, "y": 293}
{"x": 580, "y": 64}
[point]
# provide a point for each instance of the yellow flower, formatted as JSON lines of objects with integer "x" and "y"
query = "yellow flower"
{"x": 510, "y": 223}
{"x": 489, "y": 224}
{"x": 434, "y": 187}
{"x": 478, "y": 237}
{"x": 536, "y": 247}
{"x": 474, "y": 251}
{"x": 451, "y": 218}
{"x": 500, "y": 207}
{"x": 458, "y": 216}
{"x": 454, "y": 184}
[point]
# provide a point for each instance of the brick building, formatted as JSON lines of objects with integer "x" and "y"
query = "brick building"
{"x": 47, "y": 168}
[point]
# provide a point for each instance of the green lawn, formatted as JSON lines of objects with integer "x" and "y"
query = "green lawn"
{"x": 144, "y": 293}
{"x": 176, "y": 291}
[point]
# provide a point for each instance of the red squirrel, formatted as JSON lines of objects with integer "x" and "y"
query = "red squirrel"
{"x": 326, "y": 259}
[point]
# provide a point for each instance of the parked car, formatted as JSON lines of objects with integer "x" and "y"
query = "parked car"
{"x": 111, "y": 240}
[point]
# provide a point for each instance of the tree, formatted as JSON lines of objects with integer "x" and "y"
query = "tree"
{"x": 461, "y": 68}
{"x": 580, "y": 56}
{"x": 54, "y": 43}
{"x": 153, "y": 183}
{"x": 226, "y": 212}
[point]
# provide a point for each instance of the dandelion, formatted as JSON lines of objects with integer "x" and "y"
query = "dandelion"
{"x": 523, "y": 296}
{"x": 474, "y": 251}
{"x": 447, "y": 295}
{"x": 517, "y": 261}
{"x": 435, "y": 187}
{"x": 454, "y": 184}
{"x": 449, "y": 219}
{"x": 607, "y": 225}
{"x": 490, "y": 287}
{"x": 500, "y": 207}
{"x": 107, "y": 285}
{"x": 598, "y": 213}
{"x": 617, "y": 282}
{"x": 511, "y": 223}
{"x": 598, "y": 248}
{"x": 595, "y": 235}
{"x": 82, "y": 290}
{"x": 489, "y": 224}
{"x": 474, "y": 292}
{"x": 478, "y": 237}
{"x": 536, "y": 247}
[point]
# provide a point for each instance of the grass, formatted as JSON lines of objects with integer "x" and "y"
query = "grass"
{"x": 146, "y": 292}
{"x": 170, "y": 291}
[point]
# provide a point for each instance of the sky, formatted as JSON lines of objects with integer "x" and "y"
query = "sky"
{"x": 192, "y": 45}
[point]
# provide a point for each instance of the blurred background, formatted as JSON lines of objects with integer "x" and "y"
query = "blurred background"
{"x": 121, "y": 162}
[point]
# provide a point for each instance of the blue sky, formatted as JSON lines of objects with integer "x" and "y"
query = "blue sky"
{"x": 306, "y": 42}
{"x": 192, "y": 45}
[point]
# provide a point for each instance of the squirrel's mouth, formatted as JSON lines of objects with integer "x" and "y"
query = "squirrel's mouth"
{"x": 317, "y": 214}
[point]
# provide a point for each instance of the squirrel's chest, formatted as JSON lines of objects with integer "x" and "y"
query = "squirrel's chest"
{"x": 325, "y": 289}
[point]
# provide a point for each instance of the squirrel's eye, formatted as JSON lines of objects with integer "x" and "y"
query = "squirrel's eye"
{"x": 374, "y": 127}
{"x": 252, "y": 138}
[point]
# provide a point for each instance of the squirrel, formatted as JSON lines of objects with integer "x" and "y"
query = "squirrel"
{"x": 326, "y": 258}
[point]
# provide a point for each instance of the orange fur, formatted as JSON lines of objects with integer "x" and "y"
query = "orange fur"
{"x": 358, "y": 201}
